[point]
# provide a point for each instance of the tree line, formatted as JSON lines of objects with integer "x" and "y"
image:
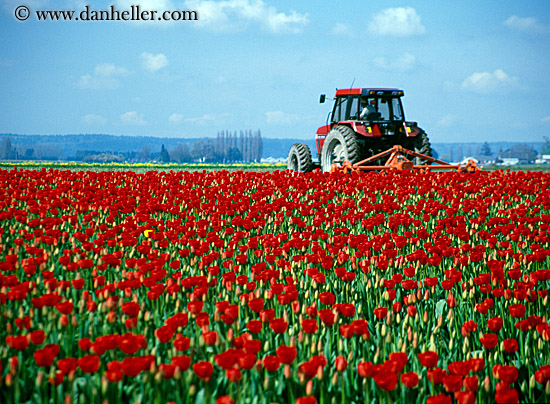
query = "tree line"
{"x": 227, "y": 147}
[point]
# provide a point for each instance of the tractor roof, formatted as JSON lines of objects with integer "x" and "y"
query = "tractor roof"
{"x": 369, "y": 91}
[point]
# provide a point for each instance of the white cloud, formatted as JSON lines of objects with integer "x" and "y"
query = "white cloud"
{"x": 526, "y": 24}
{"x": 447, "y": 120}
{"x": 341, "y": 29}
{"x": 153, "y": 63}
{"x": 399, "y": 21}
{"x": 486, "y": 83}
{"x": 105, "y": 77}
{"x": 209, "y": 118}
{"x": 93, "y": 119}
{"x": 109, "y": 70}
{"x": 175, "y": 118}
{"x": 133, "y": 118}
{"x": 281, "y": 118}
{"x": 234, "y": 15}
{"x": 546, "y": 119}
{"x": 403, "y": 63}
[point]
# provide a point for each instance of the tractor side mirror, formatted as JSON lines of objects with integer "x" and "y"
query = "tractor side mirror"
{"x": 322, "y": 98}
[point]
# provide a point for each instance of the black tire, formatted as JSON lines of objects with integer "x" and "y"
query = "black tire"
{"x": 299, "y": 158}
{"x": 340, "y": 145}
{"x": 421, "y": 144}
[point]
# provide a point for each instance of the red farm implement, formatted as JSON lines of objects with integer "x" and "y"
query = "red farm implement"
{"x": 398, "y": 159}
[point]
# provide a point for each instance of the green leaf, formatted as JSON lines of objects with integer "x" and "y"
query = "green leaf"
{"x": 439, "y": 307}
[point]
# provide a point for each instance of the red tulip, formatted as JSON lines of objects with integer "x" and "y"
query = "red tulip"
{"x": 17, "y": 342}
{"x": 506, "y": 395}
{"x": 278, "y": 325}
{"x": 203, "y": 370}
{"x": 306, "y": 400}
{"x": 364, "y": 369}
{"x": 131, "y": 309}
{"x": 65, "y": 307}
{"x": 461, "y": 368}
{"x": 465, "y": 397}
{"x": 452, "y": 383}
{"x": 89, "y": 363}
{"x": 67, "y": 365}
{"x": 380, "y": 313}
{"x": 517, "y": 310}
{"x": 271, "y": 363}
{"x": 309, "y": 325}
{"x": 489, "y": 341}
{"x": 182, "y": 362}
{"x": 436, "y": 375}
{"x": 340, "y": 363}
{"x": 477, "y": 364}
{"x": 327, "y": 298}
{"x": 471, "y": 383}
{"x": 210, "y": 337}
{"x": 398, "y": 360}
{"x": 428, "y": 359}
{"x": 495, "y": 324}
{"x": 409, "y": 380}
{"x": 506, "y": 373}
{"x": 511, "y": 345}
{"x": 233, "y": 375}
{"x": 37, "y": 337}
{"x": 439, "y": 399}
{"x": 468, "y": 328}
{"x": 386, "y": 380}
{"x": 327, "y": 317}
{"x": 225, "y": 400}
{"x": 286, "y": 354}
{"x": 44, "y": 357}
{"x": 247, "y": 361}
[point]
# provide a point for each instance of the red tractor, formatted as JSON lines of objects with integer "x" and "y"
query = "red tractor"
{"x": 363, "y": 123}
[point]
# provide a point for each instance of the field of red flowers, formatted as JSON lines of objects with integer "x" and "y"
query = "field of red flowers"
{"x": 246, "y": 287}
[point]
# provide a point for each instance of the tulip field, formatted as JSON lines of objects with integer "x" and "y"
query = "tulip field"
{"x": 274, "y": 287}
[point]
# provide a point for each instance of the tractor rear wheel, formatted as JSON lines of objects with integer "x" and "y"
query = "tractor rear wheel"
{"x": 421, "y": 144}
{"x": 340, "y": 145}
{"x": 299, "y": 158}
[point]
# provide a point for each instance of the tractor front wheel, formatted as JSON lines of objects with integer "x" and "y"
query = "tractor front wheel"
{"x": 340, "y": 145}
{"x": 299, "y": 158}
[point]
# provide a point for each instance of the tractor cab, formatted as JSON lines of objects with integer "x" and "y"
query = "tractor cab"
{"x": 367, "y": 105}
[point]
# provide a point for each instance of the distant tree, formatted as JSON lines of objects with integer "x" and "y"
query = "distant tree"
{"x": 241, "y": 143}
{"x": 486, "y": 149}
{"x": 197, "y": 152}
{"x": 29, "y": 154}
{"x": 233, "y": 155}
{"x": 545, "y": 146}
{"x": 209, "y": 151}
{"x": 180, "y": 153}
{"x": 145, "y": 153}
{"x": 259, "y": 146}
{"x": 164, "y": 155}
{"x": 7, "y": 151}
{"x": 48, "y": 151}
{"x": 523, "y": 151}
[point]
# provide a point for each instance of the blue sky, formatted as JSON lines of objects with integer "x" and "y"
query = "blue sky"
{"x": 471, "y": 70}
